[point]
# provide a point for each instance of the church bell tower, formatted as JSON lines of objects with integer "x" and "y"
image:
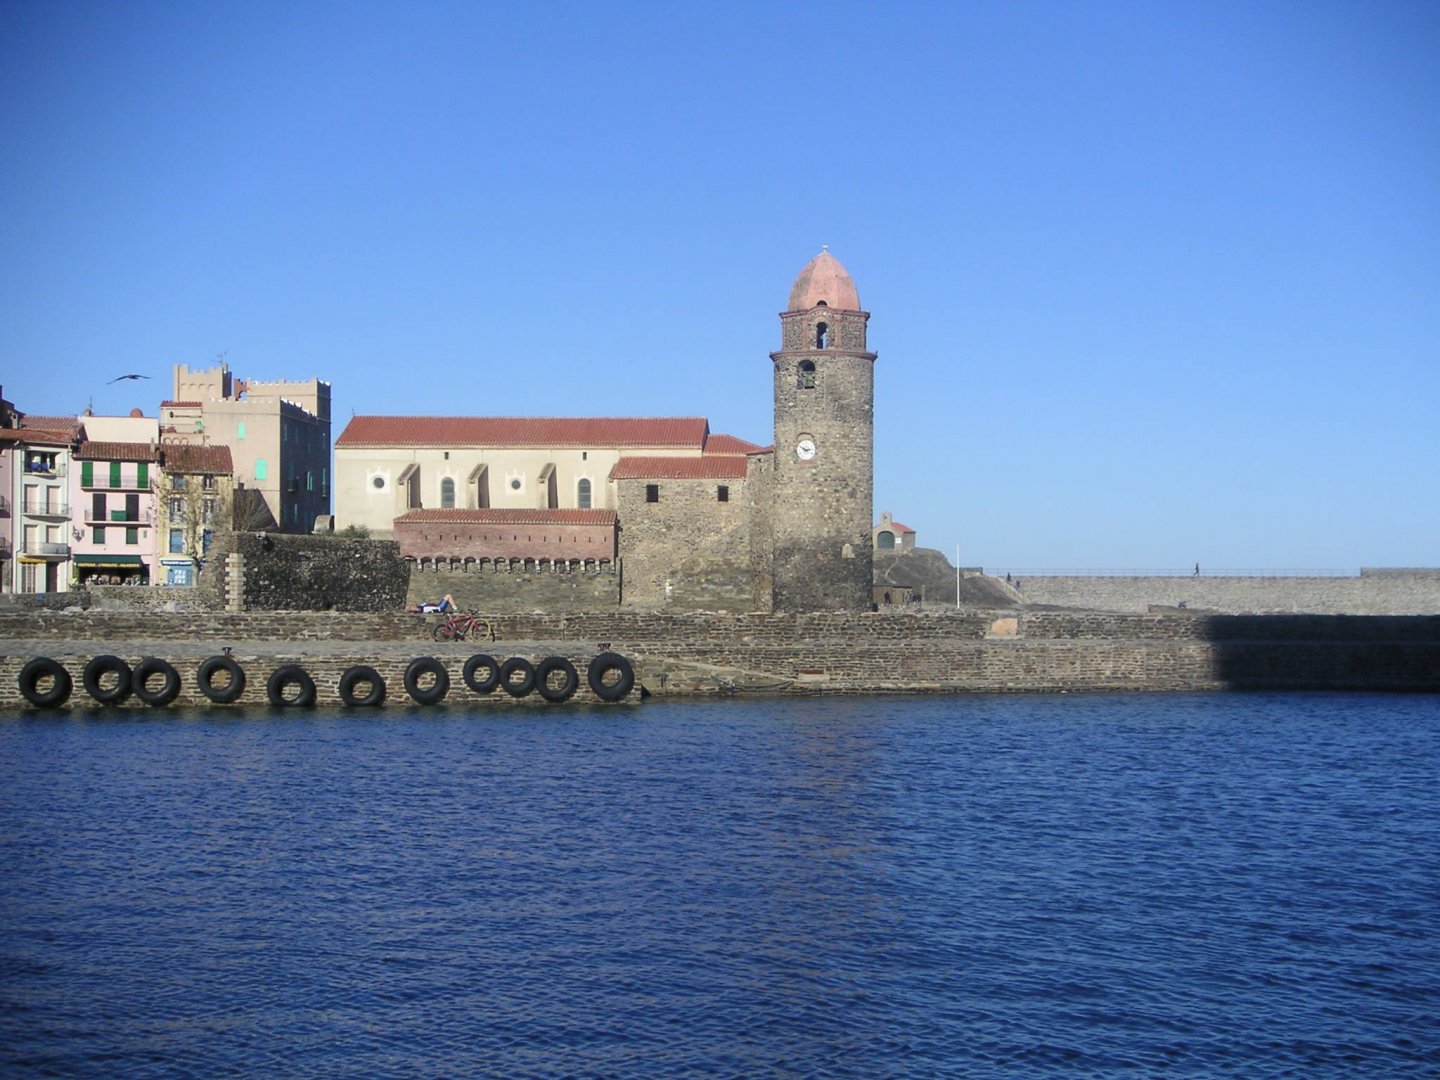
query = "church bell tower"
{"x": 824, "y": 445}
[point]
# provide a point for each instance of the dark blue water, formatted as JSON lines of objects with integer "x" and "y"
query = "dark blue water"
{"x": 1085, "y": 885}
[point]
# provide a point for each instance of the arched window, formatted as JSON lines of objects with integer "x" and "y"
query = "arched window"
{"x": 806, "y": 378}
{"x": 582, "y": 494}
{"x": 822, "y": 336}
{"x": 447, "y": 493}
{"x": 885, "y": 541}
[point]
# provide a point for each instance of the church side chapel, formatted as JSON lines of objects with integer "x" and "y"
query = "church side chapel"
{"x": 693, "y": 519}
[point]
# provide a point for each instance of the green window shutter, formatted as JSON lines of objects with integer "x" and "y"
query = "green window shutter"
{"x": 114, "y": 474}
{"x": 87, "y": 474}
{"x": 142, "y": 475}
{"x": 132, "y": 536}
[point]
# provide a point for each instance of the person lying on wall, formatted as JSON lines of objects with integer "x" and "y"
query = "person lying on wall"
{"x": 445, "y": 605}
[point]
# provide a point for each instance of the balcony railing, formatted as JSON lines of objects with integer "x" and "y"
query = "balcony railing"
{"x": 102, "y": 483}
{"x": 36, "y": 547}
{"x": 41, "y": 468}
{"x": 46, "y": 508}
{"x": 117, "y": 517}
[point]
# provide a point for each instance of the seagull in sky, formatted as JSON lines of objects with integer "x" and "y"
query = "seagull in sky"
{"x": 119, "y": 377}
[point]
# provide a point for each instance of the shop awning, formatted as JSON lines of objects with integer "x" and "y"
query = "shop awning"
{"x": 110, "y": 562}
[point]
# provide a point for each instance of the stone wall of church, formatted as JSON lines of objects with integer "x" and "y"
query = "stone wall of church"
{"x": 687, "y": 523}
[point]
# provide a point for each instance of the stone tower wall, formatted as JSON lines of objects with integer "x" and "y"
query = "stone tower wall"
{"x": 823, "y": 507}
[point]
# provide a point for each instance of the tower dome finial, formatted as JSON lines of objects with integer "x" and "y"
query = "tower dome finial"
{"x": 824, "y": 281}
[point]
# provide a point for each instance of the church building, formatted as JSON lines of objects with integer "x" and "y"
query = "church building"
{"x": 690, "y": 518}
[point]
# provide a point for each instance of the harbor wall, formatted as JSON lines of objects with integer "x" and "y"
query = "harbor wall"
{"x": 1372, "y": 592}
{"x": 807, "y": 654}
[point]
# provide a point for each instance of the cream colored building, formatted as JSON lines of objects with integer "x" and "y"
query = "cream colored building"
{"x": 386, "y": 466}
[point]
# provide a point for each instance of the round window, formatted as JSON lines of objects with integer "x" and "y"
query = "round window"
{"x": 515, "y": 484}
{"x": 379, "y": 481}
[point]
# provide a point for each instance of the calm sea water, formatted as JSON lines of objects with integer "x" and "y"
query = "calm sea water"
{"x": 1200, "y": 885}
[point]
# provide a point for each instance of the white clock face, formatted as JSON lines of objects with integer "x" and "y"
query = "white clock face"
{"x": 805, "y": 449}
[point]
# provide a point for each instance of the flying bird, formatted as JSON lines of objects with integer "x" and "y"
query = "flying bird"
{"x": 119, "y": 377}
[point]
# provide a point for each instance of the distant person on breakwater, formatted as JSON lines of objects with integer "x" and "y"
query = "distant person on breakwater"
{"x": 1197, "y": 569}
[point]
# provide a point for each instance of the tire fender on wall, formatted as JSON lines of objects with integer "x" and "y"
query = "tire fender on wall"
{"x": 282, "y": 677}
{"x": 205, "y": 674}
{"x": 97, "y": 669}
{"x": 362, "y": 673}
{"x": 437, "y": 691}
{"x": 602, "y": 666}
{"x": 169, "y": 688}
{"x": 61, "y": 683}
{"x": 566, "y": 690}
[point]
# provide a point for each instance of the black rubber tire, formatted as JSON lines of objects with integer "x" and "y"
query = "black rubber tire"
{"x": 437, "y": 691}
{"x": 61, "y": 683}
{"x": 169, "y": 689}
{"x": 205, "y": 674}
{"x": 488, "y": 684}
{"x": 566, "y": 690}
{"x": 282, "y": 677}
{"x": 362, "y": 673}
{"x": 97, "y": 669}
{"x": 525, "y": 668}
{"x": 601, "y": 666}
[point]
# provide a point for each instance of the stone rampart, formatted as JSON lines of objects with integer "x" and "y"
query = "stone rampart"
{"x": 1372, "y": 592}
{"x": 830, "y": 654}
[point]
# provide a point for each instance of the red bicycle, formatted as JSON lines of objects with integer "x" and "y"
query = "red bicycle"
{"x": 462, "y": 625}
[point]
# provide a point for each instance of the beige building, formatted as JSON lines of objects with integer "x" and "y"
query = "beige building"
{"x": 278, "y": 434}
{"x": 387, "y": 466}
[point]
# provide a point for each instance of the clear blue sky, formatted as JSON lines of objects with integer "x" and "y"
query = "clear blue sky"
{"x": 1151, "y": 283}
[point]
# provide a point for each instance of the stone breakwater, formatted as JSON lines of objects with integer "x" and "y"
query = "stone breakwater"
{"x": 705, "y": 654}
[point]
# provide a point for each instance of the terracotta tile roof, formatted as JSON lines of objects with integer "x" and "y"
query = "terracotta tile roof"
{"x": 69, "y": 426}
{"x": 510, "y": 517}
{"x": 523, "y": 431}
{"x": 730, "y": 444}
{"x": 36, "y": 435}
{"x": 897, "y": 527}
{"x": 710, "y": 467}
{"x": 193, "y": 458}
{"x": 116, "y": 451}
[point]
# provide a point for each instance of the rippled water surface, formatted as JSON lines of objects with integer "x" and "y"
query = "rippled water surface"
{"x": 1084, "y": 885}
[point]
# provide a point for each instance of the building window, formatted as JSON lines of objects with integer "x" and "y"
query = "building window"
{"x": 207, "y": 482}
{"x": 142, "y": 475}
{"x": 582, "y": 494}
{"x": 262, "y": 471}
{"x": 652, "y": 493}
{"x": 179, "y": 482}
{"x": 177, "y": 509}
{"x": 515, "y": 484}
{"x": 115, "y": 474}
{"x": 309, "y": 481}
{"x": 822, "y": 336}
{"x": 240, "y": 430}
{"x": 447, "y": 493}
{"x": 132, "y": 536}
{"x": 885, "y": 541}
{"x": 722, "y": 493}
{"x": 207, "y": 511}
{"x": 97, "y": 535}
{"x": 378, "y": 483}
{"x": 177, "y": 575}
{"x": 206, "y": 536}
{"x": 806, "y": 378}
{"x": 177, "y": 541}
{"x": 87, "y": 474}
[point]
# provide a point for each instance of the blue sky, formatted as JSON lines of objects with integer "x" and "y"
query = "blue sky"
{"x": 1150, "y": 283}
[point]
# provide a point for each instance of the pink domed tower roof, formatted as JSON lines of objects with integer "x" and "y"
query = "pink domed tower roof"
{"x": 824, "y": 281}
